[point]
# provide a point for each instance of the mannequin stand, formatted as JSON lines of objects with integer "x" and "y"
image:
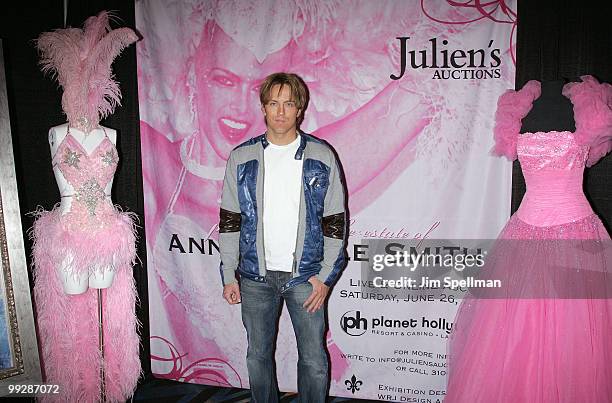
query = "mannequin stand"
{"x": 101, "y": 347}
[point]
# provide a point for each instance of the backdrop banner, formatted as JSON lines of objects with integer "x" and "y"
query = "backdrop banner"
{"x": 405, "y": 92}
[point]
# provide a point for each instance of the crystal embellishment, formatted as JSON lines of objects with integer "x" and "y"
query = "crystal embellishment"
{"x": 72, "y": 158}
{"x": 109, "y": 158}
{"x": 90, "y": 194}
{"x": 84, "y": 124}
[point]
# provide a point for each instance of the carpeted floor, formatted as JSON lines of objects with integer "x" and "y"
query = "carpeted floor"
{"x": 154, "y": 390}
{"x": 165, "y": 391}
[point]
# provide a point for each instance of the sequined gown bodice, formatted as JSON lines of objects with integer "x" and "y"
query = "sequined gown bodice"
{"x": 88, "y": 174}
{"x": 553, "y": 166}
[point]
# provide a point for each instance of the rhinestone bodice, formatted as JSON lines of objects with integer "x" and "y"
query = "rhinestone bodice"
{"x": 553, "y": 165}
{"x": 88, "y": 174}
{"x": 550, "y": 150}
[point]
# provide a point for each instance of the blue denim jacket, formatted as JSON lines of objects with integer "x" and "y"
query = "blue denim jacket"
{"x": 321, "y": 226}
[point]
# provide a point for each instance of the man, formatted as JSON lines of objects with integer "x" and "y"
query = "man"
{"x": 285, "y": 238}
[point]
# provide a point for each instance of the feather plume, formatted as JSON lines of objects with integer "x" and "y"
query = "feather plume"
{"x": 68, "y": 325}
{"x": 80, "y": 60}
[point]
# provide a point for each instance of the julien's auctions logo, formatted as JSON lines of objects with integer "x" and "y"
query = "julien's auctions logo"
{"x": 448, "y": 63}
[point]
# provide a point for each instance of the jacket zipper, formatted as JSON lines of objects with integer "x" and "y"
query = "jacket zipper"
{"x": 297, "y": 235}
{"x": 263, "y": 189}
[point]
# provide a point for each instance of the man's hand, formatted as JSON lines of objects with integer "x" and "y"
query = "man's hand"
{"x": 318, "y": 295}
{"x": 231, "y": 293}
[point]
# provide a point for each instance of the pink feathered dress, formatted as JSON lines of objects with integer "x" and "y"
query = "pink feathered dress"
{"x": 548, "y": 336}
{"x": 95, "y": 234}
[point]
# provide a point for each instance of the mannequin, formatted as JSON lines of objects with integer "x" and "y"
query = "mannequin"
{"x": 101, "y": 277}
{"x": 551, "y": 111}
{"x": 85, "y": 247}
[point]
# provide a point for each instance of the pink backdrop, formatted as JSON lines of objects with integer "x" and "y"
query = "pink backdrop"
{"x": 415, "y": 152}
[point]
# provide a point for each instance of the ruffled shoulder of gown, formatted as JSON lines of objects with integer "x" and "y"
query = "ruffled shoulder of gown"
{"x": 512, "y": 107}
{"x": 593, "y": 115}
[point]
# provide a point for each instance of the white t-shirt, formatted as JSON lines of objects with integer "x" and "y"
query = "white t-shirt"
{"x": 282, "y": 188}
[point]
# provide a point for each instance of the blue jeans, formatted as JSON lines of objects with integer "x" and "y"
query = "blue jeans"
{"x": 261, "y": 305}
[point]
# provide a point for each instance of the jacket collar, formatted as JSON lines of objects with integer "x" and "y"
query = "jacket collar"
{"x": 300, "y": 151}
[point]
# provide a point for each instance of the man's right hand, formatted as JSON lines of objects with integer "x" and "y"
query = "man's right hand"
{"x": 231, "y": 293}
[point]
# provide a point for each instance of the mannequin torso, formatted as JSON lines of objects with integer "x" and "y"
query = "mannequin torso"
{"x": 551, "y": 111}
{"x": 98, "y": 277}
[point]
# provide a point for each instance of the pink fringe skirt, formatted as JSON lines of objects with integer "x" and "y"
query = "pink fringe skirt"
{"x": 68, "y": 324}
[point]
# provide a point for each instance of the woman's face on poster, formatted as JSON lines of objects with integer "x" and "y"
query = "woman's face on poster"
{"x": 228, "y": 77}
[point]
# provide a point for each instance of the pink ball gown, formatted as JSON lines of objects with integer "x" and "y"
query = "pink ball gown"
{"x": 95, "y": 234}
{"x": 549, "y": 338}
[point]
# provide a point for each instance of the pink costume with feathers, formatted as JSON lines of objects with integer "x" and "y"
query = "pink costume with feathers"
{"x": 93, "y": 233}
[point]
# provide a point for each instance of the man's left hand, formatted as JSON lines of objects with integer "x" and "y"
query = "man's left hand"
{"x": 318, "y": 295}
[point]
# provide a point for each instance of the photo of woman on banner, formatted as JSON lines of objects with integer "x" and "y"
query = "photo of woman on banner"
{"x": 209, "y": 104}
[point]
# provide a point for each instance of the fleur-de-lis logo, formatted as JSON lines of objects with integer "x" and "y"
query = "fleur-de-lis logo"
{"x": 353, "y": 384}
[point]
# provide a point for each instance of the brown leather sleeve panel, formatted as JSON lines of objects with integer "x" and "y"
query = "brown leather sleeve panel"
{"x": 229, "y": 221}
{"x": 333, "y": 226}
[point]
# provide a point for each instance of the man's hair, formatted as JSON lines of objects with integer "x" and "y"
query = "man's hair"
{"x": 299, "y": 90}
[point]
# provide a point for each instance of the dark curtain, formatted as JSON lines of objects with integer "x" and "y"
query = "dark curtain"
{"x": 556, "y": 40}
{"x": 562, "y": 40}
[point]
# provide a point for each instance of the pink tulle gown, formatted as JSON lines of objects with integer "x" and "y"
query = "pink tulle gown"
{"x": 549, "y": 338}
{"x": 96, "y": 235}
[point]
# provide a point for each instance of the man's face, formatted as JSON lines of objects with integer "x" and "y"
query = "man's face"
{"x": 280, "y": 111}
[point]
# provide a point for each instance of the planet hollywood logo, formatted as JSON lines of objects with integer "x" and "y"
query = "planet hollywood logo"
{"x": 354, "y": 324}
{"x": 450, "y": 63}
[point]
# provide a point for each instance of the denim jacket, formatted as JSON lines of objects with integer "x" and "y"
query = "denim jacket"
{"x": 321, "y": 227}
